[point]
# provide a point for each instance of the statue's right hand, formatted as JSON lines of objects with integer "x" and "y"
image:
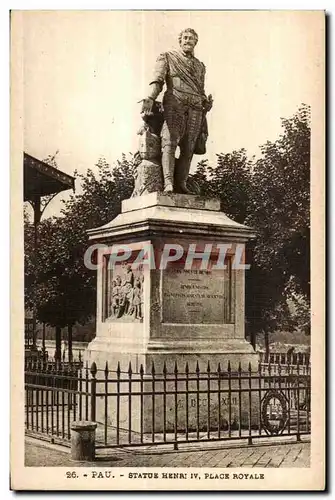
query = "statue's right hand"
{"x": 147, "y": 105}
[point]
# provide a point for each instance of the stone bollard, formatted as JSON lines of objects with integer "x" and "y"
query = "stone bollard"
{"x": 83, "y": 441}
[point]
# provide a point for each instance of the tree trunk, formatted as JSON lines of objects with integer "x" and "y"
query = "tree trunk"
{"x": 58, "y": 353}
{"x": 267, "y": 346}
{"x": 34, "y": 333}
{"x": 253, "y": 337}
{"x": 43, "y": 341}
{"x": 69, "y": 341}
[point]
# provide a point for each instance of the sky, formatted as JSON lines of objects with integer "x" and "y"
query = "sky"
{"x": 85, "y": 71}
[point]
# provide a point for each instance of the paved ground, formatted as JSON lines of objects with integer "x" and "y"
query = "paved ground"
{"x": 200, "y": 455}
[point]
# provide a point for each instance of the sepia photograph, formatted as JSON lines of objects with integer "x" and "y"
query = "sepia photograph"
{"x": 167, "y": 193}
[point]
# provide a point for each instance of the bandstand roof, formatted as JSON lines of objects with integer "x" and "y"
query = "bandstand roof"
{"x": 41, "y": 179}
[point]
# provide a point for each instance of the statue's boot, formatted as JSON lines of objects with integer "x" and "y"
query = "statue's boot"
{"x": 181, "y": 174}
{"x": 168, "y": 170}
{"x": 183, "y": 188}
{"x": 168, "y": 188}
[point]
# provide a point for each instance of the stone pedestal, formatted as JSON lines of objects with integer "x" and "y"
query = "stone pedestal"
{"x": 184, "y": 312}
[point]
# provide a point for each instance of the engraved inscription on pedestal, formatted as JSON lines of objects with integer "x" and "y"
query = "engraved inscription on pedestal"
{"x": 197, "y": 296}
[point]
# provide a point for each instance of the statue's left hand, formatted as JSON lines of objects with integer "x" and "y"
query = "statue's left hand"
{"x": 147, "y": 105}
{"x": 208, "y": 104}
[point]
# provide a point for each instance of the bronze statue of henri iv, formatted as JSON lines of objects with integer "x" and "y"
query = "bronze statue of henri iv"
{"x": 183, "y": 120}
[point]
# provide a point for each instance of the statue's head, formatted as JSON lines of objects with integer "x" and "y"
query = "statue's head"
{"x": 188, "y": 39}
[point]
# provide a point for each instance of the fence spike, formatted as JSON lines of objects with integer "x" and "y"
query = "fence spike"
{"x": 186, "y": 368}
{"x": 94, "y": 369}
{"x": 118, "y": 369}
{"x": 208, "y": 367}
{"x": 130, "y": 371}
{"x": 219, "y": 368}
{"x": 79, "y": 357}
{"x": 175, "y": 368}
{"x": 141, "y": 370}
{"x": 197, "y": 369}
{"x": 229, "y": 367}
{"x": 239, "y": 367}
{"x": 153, "y": 368}
{"x": 249, "y": 367}
{"x": 164, "y": 369}
{"x": 106, "y": 369}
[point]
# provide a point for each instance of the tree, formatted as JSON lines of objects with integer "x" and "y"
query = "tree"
{"x": 58, "y": 284}
{"x": 230, "y": 181}
{"x": 281, "y": 214}
{"x": 272, "y": 196}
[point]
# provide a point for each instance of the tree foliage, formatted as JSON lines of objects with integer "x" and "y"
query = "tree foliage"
{"x": 57, "y": 282}
{"x": 272, "y": 195}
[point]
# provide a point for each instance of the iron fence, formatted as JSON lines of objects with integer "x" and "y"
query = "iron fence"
{"x": 286, "y": 358}
{"x": 52, "y": 388}
{"x": 174, "y": 405}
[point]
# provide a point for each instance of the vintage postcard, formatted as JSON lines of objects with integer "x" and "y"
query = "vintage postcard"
{"x": 168, "y": 210}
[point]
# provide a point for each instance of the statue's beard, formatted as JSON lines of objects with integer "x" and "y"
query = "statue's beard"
{"x": 188, "y": 49}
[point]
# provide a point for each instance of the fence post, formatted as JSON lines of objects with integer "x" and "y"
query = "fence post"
{"x": 175, "y": 446}
{"x": 250, "y": 405}
{"x": 93, "y": 391}
{"x": 83, "y": 441}
{"x": 298, "y": 400}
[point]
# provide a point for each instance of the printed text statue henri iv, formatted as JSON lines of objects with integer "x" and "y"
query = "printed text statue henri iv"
{"x": 184, "y": 109}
